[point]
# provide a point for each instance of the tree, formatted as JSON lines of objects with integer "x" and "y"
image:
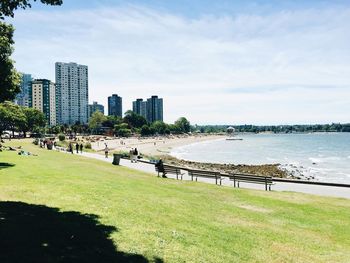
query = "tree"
{"x": 183, "y": 124}
{"x": 134, "y": 120}
{"x": 159, "y": 127}
{"x": 11, "y": 116}
{"x": 145, "y": 130}
{"x": 9, "y": 77}
{"x": 96, "y": 120}
{"x": 122, "y": 130}
{"x": 34, "y": 119}
{"x": 7, "y": 7}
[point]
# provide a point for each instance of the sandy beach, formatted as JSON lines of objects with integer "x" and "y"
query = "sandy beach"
{"x": 154, "y": 146}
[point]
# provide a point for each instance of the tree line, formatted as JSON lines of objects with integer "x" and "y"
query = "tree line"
{"x": 133, "y": 123}
{"x": 334, "y": 127}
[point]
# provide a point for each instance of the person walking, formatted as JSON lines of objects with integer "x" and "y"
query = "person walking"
{"x": 136, "y": 153}
{"x": 106, "y": 151}
{"x": 81, "y": 148}
{"x": 131, "y": 153}
{"x": 77, "y": 147}
{"x": 70, "y": 148}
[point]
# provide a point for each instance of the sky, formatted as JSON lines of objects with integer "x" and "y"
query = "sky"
{"x": 214, "y": 62}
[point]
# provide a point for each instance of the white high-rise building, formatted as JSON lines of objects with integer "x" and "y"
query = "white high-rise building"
{"x": 72, "y": 92}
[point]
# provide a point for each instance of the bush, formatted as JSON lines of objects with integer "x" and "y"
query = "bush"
{"x": 61, "y": 137}
{"x": 87, "y": 145}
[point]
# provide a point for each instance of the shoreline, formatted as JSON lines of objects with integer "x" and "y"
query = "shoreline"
{"x": 152, "y": 146}
{"x": 161, "y": 146}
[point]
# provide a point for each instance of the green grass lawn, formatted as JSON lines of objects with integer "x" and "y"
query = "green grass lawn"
{"x": 67, "y": 208}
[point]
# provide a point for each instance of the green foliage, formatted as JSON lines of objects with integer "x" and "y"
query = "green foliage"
{"x": 134, "y": 120}
{"x": 111, "y": 121}
{"x": 122, "y": 130}
{"x": 145, "y": 130}
{"x": 87, "y": 145}
{"x": 7, "y": 7}
{"x": 11, "y": 116}
{"x": 96, "y": 120}
{"x": 34, "y": 119}
{"x": 159, "y": 127}
{"x": 9, "y": 77}
{"x": 183, "y": 124}
{"x": 61, "y": 137}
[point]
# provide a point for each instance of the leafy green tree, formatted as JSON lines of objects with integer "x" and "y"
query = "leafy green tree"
{"x": 122, "y": 130}
{"x": 134, "y": 120}
{"x": 11, "y": 116}
{"x": 96, "y": 120}
{"x": 145, "y": 130}
{"x": 183, "y": 124}
{"x": 159, "y": 127}
{"x": 7, "y": 7}
{"x": 9, "y": 77}
{"x": 111, "y": 121}
{"x": 34, "y": 119}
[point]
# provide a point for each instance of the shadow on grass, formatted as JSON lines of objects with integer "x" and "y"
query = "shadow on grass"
{"x": 6, "y": 165}
{"x": 36, "y": 233}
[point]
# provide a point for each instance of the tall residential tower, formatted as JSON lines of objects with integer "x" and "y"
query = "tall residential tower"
{"x": 42, "y": 96}
{"x": 115, "y": 106}
{"x": 72, "y": 92}
{"x": 22, "y": 98}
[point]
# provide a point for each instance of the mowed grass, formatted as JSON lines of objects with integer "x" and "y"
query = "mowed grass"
{"x": 178, "y": 221}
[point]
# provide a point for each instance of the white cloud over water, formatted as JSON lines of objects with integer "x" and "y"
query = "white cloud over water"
{"x": 283, "y": 67}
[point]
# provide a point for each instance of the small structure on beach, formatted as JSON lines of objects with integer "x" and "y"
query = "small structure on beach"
{"x": 231, "y": 134}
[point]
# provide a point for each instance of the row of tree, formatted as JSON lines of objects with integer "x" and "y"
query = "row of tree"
{"x": 133, "y": 123}
{"x": 334, "y": 127}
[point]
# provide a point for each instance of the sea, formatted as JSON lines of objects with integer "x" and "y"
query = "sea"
{"x": 321, "y": 157}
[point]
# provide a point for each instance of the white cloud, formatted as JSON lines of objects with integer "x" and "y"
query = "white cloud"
{"x": 196, "y": 64}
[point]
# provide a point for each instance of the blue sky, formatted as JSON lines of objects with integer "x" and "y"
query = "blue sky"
{"x": 215, "y": 62}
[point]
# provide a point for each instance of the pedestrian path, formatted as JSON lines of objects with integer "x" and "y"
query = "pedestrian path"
{"x": 279, "y": 186}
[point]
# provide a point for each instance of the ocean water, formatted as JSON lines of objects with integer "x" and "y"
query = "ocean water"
{"x": 323, "y": 156}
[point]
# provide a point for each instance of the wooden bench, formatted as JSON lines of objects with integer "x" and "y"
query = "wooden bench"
{"x": 205, "y": 174}
{"x": 251, "y": 178}
{"x": 167, "y": 169}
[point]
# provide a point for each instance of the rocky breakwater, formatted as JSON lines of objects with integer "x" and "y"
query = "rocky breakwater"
{"x": 273, "y": 170}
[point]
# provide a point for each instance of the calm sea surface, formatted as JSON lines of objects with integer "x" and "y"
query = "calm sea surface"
{"x": 325, "y": 156}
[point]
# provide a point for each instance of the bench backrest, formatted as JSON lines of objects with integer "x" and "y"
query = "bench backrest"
{"x": 250, "y": 177}
{"x": 168, "y": 169}
{"x": 204, "y": 173}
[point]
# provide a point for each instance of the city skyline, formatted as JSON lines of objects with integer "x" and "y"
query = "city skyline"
{"x": 214, "y": 63}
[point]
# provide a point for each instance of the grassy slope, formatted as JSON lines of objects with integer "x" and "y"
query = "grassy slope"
{"x": 182, "y": 221}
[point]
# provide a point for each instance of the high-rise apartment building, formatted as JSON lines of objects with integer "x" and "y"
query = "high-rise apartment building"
{"x": 96, "y": 107}
{"x": 72, "y": 91}
{"x": 140, "y": 107}
{"x": 154, "y": 109}
{"x": 115, "y": 106}
{"x": 22, "y": 98}
{"x": 151, "y": 110}
{"x": 42, "y": 96}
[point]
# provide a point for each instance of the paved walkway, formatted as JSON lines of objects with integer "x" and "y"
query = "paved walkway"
{"x": 279, "y": 186}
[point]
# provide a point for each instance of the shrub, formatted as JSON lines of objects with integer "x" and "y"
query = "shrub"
{"x": 61, "y": 137}
{"x": 87, "y": 145}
